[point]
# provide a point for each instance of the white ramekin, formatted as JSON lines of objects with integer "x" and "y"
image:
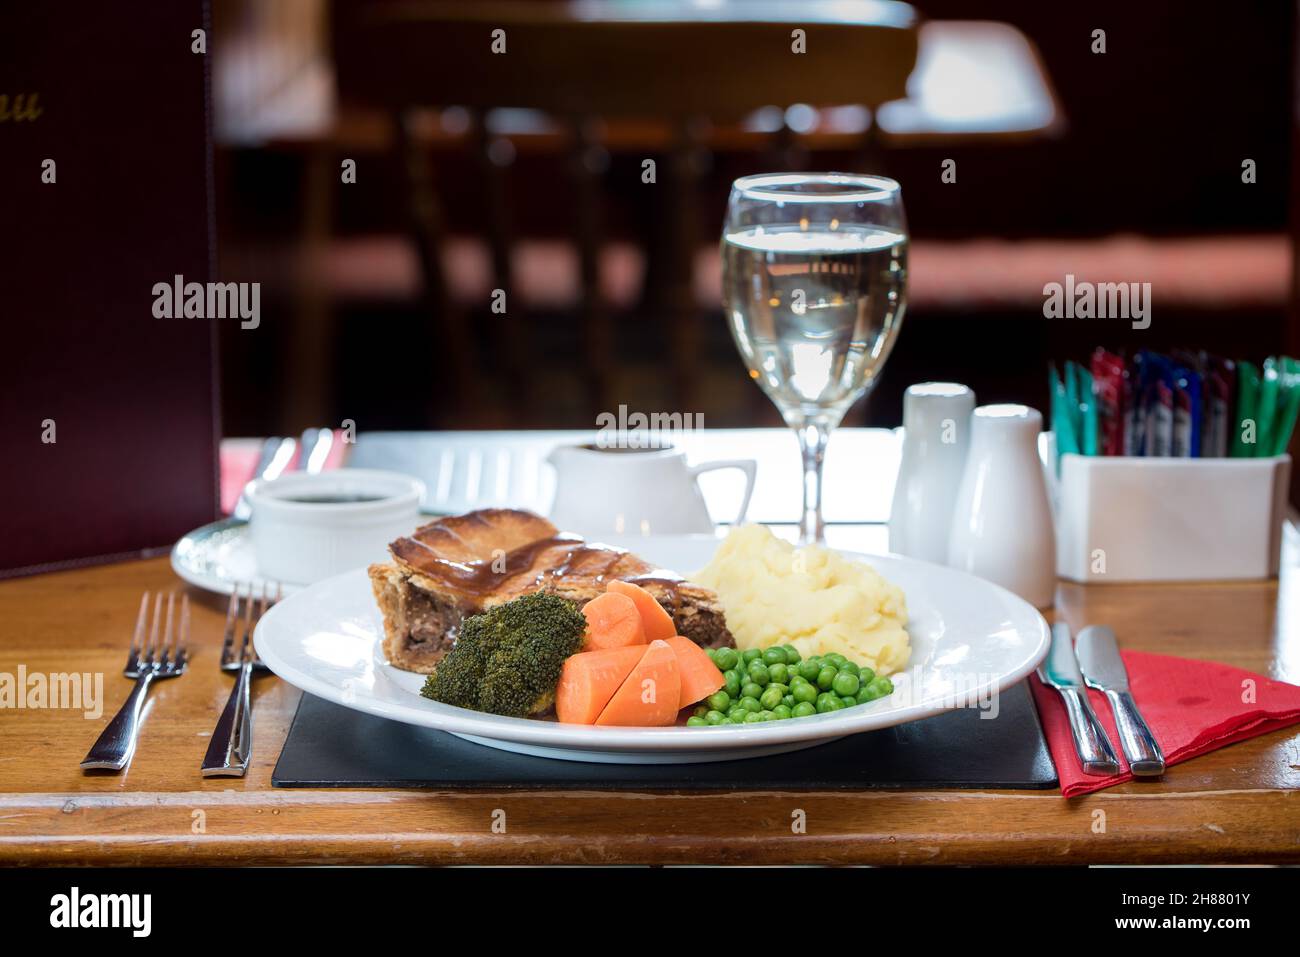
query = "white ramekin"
{"x": 302, "y": 542}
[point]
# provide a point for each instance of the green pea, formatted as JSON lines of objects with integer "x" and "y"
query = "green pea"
{"x": 781, "y": 712}
{"x": 750, "y": 703}
{"x": 803, "y": 709}
{"x": 734, "y": 682}
{"x": 759, "y": 674}
{"x": 715, "y": 717}
{"x": 725, "y": 658}
{"x": 767, "y": 715}
{"x": 804, "y": 692}
{"x": 880, "y": 688}
{"x": 696, "y": 722}
{"x": 850, "y": 667}
{"x": 791, "y": 655}
{"x": 737, "y": 710}
{"x": 788, "y": 701}
{"x": 753, "y": 717}
{"x": 779, "y": 672}
{"x": 828, "y": 702}
{"x": 751, "y": 690}
{"x": 865, "y": 675}
{"x": 751, "y": 654}
{"x": 835, "y": 658}
{"x": 720, "y": 700}
{"x": 701, "y": 710}
{"x": 845, "y": 684}
{"x": 740, "y": 718}
{"x": 808, "y": 670}
{"x": 771, "y": 698}
{"x": 848, "y": 701}
{"x": 774, "y": 656}
{"x": 784, "y": 689}
{"x": 826, "y": 677}
{"x": 872, "y": 691}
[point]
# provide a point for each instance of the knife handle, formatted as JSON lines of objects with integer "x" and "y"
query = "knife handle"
{"x": 1090, "y": 739}
{"x": 1143, "y": 754}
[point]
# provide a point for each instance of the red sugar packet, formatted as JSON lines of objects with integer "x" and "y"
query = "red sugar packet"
{"x": 1192, "y": 707}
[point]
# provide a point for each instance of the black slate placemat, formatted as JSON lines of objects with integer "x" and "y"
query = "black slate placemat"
{"x": 332, "y": 746}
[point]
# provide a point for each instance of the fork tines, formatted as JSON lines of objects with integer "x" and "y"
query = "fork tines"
{"x": 242, "y": 615}
{"x": 165, "y": 647}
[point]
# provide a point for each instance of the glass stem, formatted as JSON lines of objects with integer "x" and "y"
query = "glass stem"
{"x": 812, "y": 443}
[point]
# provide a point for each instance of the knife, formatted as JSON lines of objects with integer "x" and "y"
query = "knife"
{"x": 1061, "y": 671}
{"x": 1104, "y": 670}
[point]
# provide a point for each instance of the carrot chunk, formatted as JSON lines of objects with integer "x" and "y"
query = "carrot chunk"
{"x": 699, "y": 676}
{"x": 648, "y": 697}
{"x": 613, "y": 621}
{"x": 658, "y": 623}
{"x": 589, "y": 680}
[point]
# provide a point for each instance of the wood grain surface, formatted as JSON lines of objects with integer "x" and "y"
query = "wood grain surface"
{"x": 1238, "y": 804}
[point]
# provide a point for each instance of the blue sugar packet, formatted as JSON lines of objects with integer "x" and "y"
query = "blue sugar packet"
{"x": 1188, "y": 413}
{"x": 1158, "y": 405}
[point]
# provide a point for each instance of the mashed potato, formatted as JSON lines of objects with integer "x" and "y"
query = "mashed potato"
{"x": 810, "y": 597}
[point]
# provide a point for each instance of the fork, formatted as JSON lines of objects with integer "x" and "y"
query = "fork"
{"x": 149, "y": 659}
{"x": 232, "y": 739}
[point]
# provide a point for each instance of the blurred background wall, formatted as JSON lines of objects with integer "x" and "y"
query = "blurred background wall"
{"x": 1122, "y": 166}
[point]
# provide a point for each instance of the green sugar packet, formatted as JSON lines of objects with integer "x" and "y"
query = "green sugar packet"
{"x": 1289, "y": 405}
{"x": 1087, "y": 406}
{"x": 1071, "y": 396}
{"x": 1270, "y": 391}
{"x": 1247, "y": 400}
{"x": 1062, "y": 422}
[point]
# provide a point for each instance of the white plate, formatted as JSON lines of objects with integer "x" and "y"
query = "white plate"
{"x": 970, "y": 639}
{"x": 219, "y": 556}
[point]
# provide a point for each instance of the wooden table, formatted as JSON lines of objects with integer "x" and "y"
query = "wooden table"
{"x": 1238, "y": 804}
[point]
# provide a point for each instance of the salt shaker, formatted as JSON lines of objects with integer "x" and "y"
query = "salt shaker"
{"x": 1002, "y": 521}
{"x": 936, "y": 436}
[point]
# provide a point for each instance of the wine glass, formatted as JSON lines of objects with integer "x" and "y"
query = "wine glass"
{"x": 814, "y": 286}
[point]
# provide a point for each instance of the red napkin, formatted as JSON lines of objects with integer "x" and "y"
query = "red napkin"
{"x": 1191, "y": 707}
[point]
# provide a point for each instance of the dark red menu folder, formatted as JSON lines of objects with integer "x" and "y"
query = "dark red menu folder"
{"x": 108, "y": 414}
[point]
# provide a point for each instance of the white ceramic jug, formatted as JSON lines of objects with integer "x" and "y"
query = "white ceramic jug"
{"x": 630, "y": 491}
{"x": 936, "y": 437}
{"x": 1002, "y": 521}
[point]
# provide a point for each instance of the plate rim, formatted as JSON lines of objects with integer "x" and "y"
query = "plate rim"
{"x": 576, "y": 737}
{"x": 217, "y": 584}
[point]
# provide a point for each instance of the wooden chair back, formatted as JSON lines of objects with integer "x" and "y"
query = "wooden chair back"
{"x": 589, "y": 60}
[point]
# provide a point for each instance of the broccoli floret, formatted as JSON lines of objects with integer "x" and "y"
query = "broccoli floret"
{"x": 506, "y": 688}
{"x": 456, "y": 679}
{"x": 508, "y": 659}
